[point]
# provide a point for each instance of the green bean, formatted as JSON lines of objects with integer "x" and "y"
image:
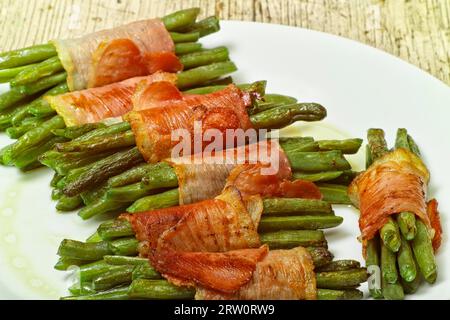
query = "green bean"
{"x": 102, "y": 170}
{"x": 115, "y": 229}
{"x": 160, "y": 175}
{"x": 204, "y": 27}
{"x": 31, "y": 155}
{"x": 56, "y": 178}
{"x": 7, "y": 115}
{"x": 411, "y": 287}
{"x": 38, "y": 105}
{"x": 285, "y": 115}
{"x": 20, "y": 93}
{"x": 158, "y": 201}
{"x": 56, "y": 194}
{"x": 131, "y": 176}
{"x": 293, "y": 143}
{"x": 145, "y": 271}
{"x": 413, "y": 146}
{"x": 348, "y": 146}
{"x": 270, "y": 101}
{"x": 26, "y": 56}
{"x": 407, "y": 224}
{"x": 402, "y": 139}
{"x": 99, "y": 144}
{"x": 3, "y": 151}
{"x": 65, "y": 263}
{"x": 390, "y": 235}
{"x": 70, "y": 163}
{"x": 214, "y": 88}
{"x": 392, "y": 291}
{"x": 320, "y": 255}
{"x": 222, "y": 82}
{"x": 69, "y": 203}
{"x": 319, "y": 176}
{"x": 113, "y": 278}
{"x": 113, "y": 294}
{"x": 279, "y": 99}
{"x": 23, "y": 113}
{"x": 128, "y": 194}
{"x": 84, "y": 251}
{"x": 406, "y": 264}
{"x": 184, "y": 37}
{"x": 334, "y": 193}
{"x": 388, "y": 264}
{"x": 89, "y": 271}
{"x": 318, "y": 161}
{"x": 77, "y": 131}
{"x": 423, "y": 251}
{"x": 34, "y": 73}
{"x": 82, "y": 289}
{"x": 373, "y": 267}
{"x": 91, "y": 196}
{"x": 341, "y": 279}
{"x": 94, "y": 238}
{"x": 32, "y": 166}
{"x": 101, "y": 206}
{"x": 369, "y": 159}
{"x": 298, "y": 223}
{"x": 124, "y": 246}
{"x": 6, "y": 75}
{"x": 32, "y": 138}
{"x": 197, "y": 76}
{"x": 27, "y": 125}
{"x": 377, "y": 143}
{"x": 187, "y": 47}
{"x": 158, "y": 289}
{"x": 339, "y": 265}
{"x": 125, "y": 260}
{"x": 41, "y": 110}
{"x": 345, "y": 178}
{"x": 294, "y": 238}
{"x": 294, "y": 206}
{"x": 11, "y": 97}
{"x": 328, "y": 294}
{"x": 102, "y": 131}
{"x": 205, "y": 57}
{"x": 180, "y": 19}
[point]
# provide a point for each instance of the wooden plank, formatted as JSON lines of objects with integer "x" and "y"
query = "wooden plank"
{"x": 417, "y": 31}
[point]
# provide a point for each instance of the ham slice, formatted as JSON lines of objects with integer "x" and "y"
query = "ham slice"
{"x": 257, "y": 169}
{"x": 96, "y": 104}
{"x": 154, "y": 123}
{"x": 281, "y": 275}
{"x": 108, "y": 56}
{"x": 394, "y": 183}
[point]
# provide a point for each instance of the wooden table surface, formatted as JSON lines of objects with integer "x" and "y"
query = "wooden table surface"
{"x": 417, "y": 31}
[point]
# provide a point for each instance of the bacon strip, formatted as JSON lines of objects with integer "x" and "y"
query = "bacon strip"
{"x": 203, "y": 243}
{"x": 221, "y": 271}
{"x": 281, "y": 275}
{"x": 153, "y": 127}
{"x": 96, "y": 104}
{"x": 435, "y": 221}
{"x": 257, "y": 169}
{"x": 213, "y": 225}
{"x": 395, "y": 183}
{"x": 116, "y": 54}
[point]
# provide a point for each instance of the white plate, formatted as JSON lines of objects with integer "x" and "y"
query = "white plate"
{"x": 361, "y": 88}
